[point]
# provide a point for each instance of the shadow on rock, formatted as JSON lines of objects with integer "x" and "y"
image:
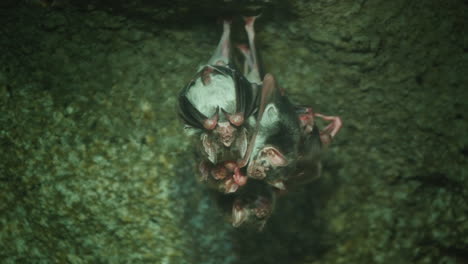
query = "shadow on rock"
{"x": 296, "y": 232}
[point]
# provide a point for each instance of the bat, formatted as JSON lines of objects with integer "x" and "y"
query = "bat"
{"x": 246, "y": 128}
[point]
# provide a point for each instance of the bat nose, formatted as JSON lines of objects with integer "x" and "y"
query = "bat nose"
{"x": 223, "y": 124}
{"x": 224, "y": 127}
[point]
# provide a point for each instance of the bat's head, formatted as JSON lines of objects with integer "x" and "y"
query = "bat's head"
{"x": 253, "y": 207}
{"x": 217, "y": 102}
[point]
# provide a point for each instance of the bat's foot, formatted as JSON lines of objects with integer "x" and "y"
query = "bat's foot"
{"x": 252, "y": 71}
{"x": 306, "y": 119}
{"x": 307, "y": 116}
{"x": 223, "y": 51}
{"x": 329, "y": 132}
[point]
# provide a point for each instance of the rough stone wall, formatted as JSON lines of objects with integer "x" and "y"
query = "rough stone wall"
{"x": 94, "y": 167}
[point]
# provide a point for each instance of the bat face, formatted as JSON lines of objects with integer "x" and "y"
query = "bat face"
{"x": 254, "y": 212}
{"x": 216, "y": 103}
{"x": 269, "y": 158}
{"x": 254, "y": 206}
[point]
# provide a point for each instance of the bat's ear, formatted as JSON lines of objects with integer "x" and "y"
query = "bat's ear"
{"x": 209, "y": 147}
{"x": 275, "y": 157}
{"x": 270, "y": 115}
{"x": 239, "y": 214}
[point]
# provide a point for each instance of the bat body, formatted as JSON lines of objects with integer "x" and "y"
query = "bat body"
{"x": 276, "y": 145}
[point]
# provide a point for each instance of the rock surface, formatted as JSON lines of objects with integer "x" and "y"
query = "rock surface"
{"x": 94, "y": 167}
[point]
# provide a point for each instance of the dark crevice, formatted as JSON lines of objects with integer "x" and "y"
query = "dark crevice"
{"x": 464, "y": 151}
{"x": 436, "y": 180}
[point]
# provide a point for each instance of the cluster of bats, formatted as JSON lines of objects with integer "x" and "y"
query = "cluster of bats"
{"x": 254, "y": 143}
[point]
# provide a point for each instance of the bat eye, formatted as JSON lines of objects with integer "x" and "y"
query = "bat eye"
{"x": 236, "y": 119}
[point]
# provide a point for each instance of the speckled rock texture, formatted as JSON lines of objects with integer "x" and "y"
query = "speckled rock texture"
{"x": 94, "y": 167}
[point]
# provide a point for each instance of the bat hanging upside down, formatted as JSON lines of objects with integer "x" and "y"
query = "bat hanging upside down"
{"x": 253, "y": 141}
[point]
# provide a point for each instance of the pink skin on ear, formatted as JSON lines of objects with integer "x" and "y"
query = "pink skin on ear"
{"x": 268, "y": 157}
{"x": 275, "y": 157}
